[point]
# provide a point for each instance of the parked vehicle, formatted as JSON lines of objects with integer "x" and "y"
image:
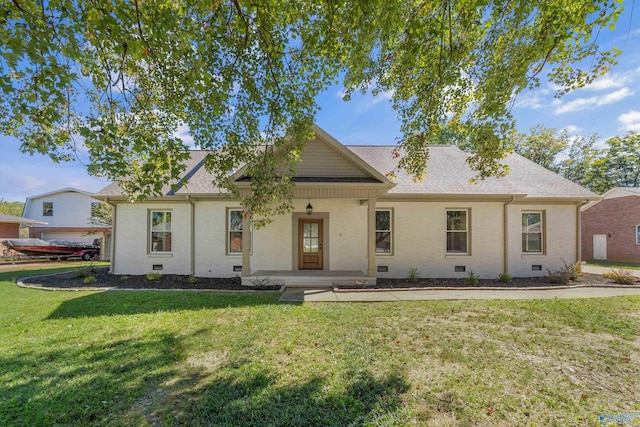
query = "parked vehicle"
{"x": 54, "y": 249}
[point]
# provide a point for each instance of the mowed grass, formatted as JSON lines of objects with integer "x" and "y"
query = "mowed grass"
{"x": 186, "y": 358}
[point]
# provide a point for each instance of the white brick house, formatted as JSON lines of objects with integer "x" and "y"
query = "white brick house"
{"x": 361, "y": 223}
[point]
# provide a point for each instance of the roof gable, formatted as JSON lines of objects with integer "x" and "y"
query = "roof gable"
{"x": 64, "y": 190}
{"x": 621, "y": 192}
{"x": 324, "y": 159}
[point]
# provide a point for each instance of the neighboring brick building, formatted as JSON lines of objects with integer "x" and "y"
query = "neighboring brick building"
{"x": 10, "y": 229}
{"x": 611, "y": 227}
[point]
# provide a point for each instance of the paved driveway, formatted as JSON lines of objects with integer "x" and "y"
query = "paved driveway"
{"x": 593, "y": 269}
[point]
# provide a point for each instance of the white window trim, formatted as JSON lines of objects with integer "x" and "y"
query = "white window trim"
{"x": 150, "y": 250}
{"x": 543, "y": 240}
{"x": 227, "y": 238}
{"x": 228, "y": 232}
{"x": 467, "y": 230}
{"x": 637, "y": 240}
{"x": 391, "y": 233}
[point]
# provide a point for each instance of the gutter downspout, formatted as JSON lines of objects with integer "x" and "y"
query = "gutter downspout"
{"x": 579, "y": 230}
{"x": 505, "y": 233}
{"x": 193, "y": 234}
{"x": 112, "y": 255}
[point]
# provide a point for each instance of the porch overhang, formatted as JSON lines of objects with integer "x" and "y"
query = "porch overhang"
{"x": 330, "y": 190}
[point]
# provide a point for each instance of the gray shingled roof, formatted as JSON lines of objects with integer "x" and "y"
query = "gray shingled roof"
{"x": 631, "y": 190}
{"x": 198, "y": 180}
{"x": 10, "y": 219}
{"x": 447, "y": 173}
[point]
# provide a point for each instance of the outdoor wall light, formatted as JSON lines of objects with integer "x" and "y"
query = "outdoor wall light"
{"x": 309, "y": 208}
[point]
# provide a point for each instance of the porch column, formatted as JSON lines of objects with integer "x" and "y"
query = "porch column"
{"x": 371, "y": 237}
{"x": 246, "y": 244}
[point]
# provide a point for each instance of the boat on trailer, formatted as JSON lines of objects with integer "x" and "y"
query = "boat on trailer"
{"x": 53, "y": 248}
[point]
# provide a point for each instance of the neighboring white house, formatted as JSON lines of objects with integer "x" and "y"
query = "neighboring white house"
{"x": 67, "y": 213}
{"x": 350, "y": 220}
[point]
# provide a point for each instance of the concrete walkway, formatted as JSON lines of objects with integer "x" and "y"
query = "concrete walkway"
{"x": 328, "y": 294}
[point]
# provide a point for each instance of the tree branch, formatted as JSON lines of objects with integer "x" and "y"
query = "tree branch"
{"x": 16, "y": 4}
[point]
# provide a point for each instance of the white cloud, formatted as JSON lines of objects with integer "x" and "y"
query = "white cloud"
{"x": 369, "y": 101}
{"x": 46, "y": 177}
{"x": 572, "y": 128}
{"x": 16, "y": 188}
{"x": 185, "y": 135}
{"x": 593, "y": 102}
{"x": 382, "y": 96}
{"x": 364, "y": 103}
{"x": 630, "y": 121}
{"x": 533, "y": 102}
{"x": 610, "y": 82}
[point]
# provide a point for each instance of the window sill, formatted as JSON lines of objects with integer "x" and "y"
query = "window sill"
{"x": 160, "y": 255}
{"x": 383, "y": 254}
{"x": 454, "y": 255}
{"x": 533, "y": 254}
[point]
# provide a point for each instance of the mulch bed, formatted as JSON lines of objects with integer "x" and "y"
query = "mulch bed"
{"x": 165, "y": 281}
{"x": 518, "y": 283}
{"x": 171, "y": 281}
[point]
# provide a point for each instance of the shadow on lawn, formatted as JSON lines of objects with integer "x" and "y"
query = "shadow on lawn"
{"x": 113, "y": 303}
{"x": 83, "y": 383}
{"x": 248, "y": 394}
{"x": 143, "y": 382}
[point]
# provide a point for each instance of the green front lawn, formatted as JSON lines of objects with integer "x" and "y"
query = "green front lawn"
{"x": 186, "y": 358}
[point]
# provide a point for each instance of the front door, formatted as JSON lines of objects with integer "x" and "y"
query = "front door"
{"x": 310, "y": 244}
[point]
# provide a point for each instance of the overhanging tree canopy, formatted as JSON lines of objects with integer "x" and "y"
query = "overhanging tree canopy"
{"x": 125, "y": 74}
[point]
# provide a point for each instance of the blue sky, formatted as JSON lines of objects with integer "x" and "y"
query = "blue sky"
{"x": 610, "y": 106}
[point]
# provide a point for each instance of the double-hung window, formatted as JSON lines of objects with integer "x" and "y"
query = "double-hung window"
{"x": 384, "y": 222}
{"x": 234, "y": 231}
{"x": 532, "y": 232}
{"x": 47, "y": 208}
{"x": 160, "y": 231}
{"x": 458, "y": 231}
